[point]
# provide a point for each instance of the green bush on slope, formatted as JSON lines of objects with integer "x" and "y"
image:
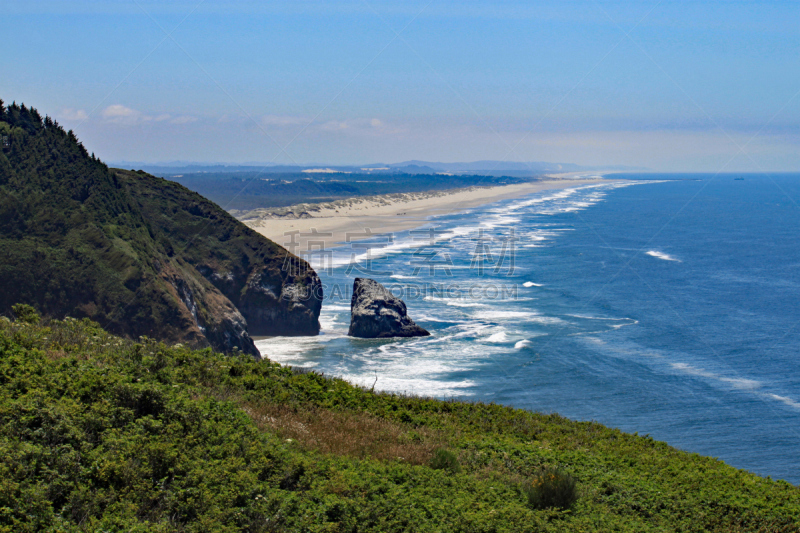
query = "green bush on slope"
{"x": 551, "y": 487}
{"x": 445, "y": 460}
{"x": 26, "y": 313}
{"x": 101, "y": 433}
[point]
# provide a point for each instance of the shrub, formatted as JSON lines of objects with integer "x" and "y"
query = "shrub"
{"x": 551, "y": 487}
{"x": 445, "y": 460}
{"x": 26, "y": 313}
{"x": 93, "y": 438}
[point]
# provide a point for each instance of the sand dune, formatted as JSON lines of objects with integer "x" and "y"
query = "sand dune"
{"x": 328, "y": 224}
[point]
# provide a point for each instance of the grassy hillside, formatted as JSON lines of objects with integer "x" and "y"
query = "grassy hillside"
{"x": 98, "y": 433}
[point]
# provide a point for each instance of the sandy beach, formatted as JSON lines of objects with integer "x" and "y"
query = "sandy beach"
{"x": 332, "y": 223}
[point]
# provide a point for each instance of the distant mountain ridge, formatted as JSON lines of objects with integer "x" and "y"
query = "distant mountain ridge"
{"x": 474, "y": 166}
{"x": 136, "y": 253}
{"x": 485, "y": 167}
{"x": 513, "y": 168}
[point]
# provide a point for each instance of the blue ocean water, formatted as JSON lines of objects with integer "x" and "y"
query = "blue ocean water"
{"x": 666, "y": 305}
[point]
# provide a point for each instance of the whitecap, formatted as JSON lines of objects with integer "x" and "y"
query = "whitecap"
{"x": 294, "y": 351}
{"x": 741, "y": 383}
{"x": 500, "y": 314}
{"x": 549, "y": 320}
{"x": 456, "y": 303}
{"x": 527, "y": 316}
{"x": 386, "y": 382}
{"x": 500, "y": 336}
{"x": 471, "y": 332}
{"x": 327, "y": 323}
{"x": 736, "y": 383}
{"x": 531, "y": 284}
{"x": 334, "y": 307}
{"x": 788, "y": 401}
{"x": 626, "y": 321}
{"x": 522, "y": 344}
{"x": 662, "y": 255}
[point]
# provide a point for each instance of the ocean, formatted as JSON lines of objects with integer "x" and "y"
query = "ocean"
{"x": 667, "y": 305}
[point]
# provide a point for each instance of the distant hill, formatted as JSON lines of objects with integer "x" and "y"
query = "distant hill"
{"x": 506, "y": 168}
{"x": 514, "y": 169}
{"x": 493, "y": 165}
{"x": 136, "y": 253}
{"x": 243, "y": 191}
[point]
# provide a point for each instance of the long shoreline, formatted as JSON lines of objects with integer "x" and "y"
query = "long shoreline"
{"x": 332, "y": 224}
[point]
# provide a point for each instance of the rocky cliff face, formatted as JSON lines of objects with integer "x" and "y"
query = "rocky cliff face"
{"x": 283, "y": 304}
{"x": 138, "y": 254}
{"x": 375, "y": 313}
{"x": 276, "y": 292}
{"x": 208, "y": 318}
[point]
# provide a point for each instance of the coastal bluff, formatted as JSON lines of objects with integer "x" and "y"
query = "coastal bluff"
{"x": 140, "y": 255}
{"x": 376, "y": 314}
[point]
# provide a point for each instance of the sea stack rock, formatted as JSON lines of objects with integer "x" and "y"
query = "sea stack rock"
{"x": 376, "y": 314}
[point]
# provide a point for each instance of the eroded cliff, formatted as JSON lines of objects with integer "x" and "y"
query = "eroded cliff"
{"x": 138, "y": 254}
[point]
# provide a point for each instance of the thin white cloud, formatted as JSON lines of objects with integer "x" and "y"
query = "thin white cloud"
{"x": 293, "y": 123}
{"x": 283, "y": 120}
{"x": 186, "y": 119}
{"x": 123, "y": 115}
{"x": 73, "y": 114}
{"x": 119, "y": 111}
{"x": 126, "y": 116}
{"x": 334, "y": 125}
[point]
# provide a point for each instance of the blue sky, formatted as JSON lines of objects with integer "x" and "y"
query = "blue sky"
{"x": 666, "y": 85}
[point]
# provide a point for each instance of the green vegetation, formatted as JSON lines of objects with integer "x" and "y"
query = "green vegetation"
{"x": 243, "y": 191}
{"x": 138, "y": 254}
{"x": 551, "y": 487}
{"x": 99, "y": 433}
{"x": 445, "y": 460}
{"x": 26, "y": 313}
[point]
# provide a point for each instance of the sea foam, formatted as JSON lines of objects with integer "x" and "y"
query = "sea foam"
{"x": 662, "y": 255}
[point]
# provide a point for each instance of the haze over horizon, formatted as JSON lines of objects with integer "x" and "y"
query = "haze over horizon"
{"x": 699, "y": 86}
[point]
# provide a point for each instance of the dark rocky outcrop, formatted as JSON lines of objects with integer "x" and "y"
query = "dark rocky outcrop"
{"x": 375, "y": 313}
{"x": 138, "y": 254}
{"x": 276, "y": 292}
